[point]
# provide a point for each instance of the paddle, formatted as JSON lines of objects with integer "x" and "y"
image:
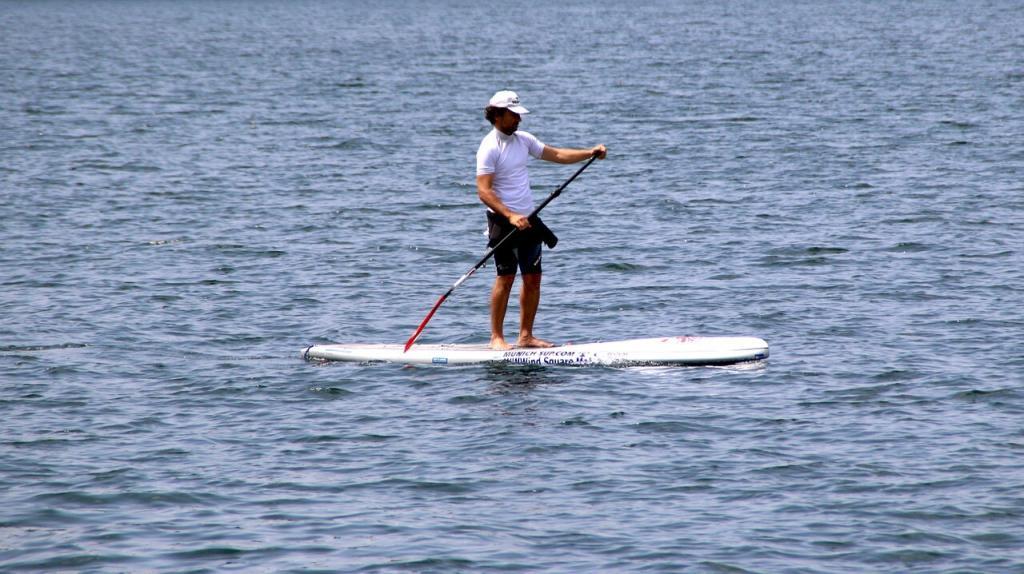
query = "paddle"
{"x": 487, "y": 256}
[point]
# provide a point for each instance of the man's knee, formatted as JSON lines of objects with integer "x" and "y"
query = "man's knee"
{"x": 531, "y": 280}
{"x": 504, "y": 282}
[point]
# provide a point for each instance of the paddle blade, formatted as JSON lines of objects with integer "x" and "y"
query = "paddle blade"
{"x": 426, "y": 319}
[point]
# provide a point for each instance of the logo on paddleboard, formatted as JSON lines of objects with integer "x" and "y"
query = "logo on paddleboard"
{"x": 546, "y": 357}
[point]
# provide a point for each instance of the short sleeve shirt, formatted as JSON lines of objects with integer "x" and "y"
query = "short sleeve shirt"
{"x": 506, "y": 157}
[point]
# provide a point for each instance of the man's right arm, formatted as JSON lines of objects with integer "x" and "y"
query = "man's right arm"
{"x": 485, "y": 189}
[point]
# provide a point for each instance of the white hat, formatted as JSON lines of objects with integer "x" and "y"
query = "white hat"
{"x": 509, "y": 100}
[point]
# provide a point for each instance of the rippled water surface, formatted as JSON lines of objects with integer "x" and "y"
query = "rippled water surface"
{"x": 193, "y": 191}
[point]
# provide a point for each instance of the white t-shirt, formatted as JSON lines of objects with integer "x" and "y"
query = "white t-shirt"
{"x": 506, "y": 157}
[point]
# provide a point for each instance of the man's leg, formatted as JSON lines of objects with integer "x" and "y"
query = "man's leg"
{"x": 529, "y": 300}
{"x": 499, "y": 303}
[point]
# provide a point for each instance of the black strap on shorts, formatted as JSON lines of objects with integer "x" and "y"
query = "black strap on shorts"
{"x": 499, "y": 226}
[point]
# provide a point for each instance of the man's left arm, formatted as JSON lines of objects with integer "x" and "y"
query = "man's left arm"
{"x": 564, "y": 155}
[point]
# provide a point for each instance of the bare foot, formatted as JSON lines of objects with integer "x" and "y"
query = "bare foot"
{"x": 534, "y": 342}
{"x": 499, "y": 344}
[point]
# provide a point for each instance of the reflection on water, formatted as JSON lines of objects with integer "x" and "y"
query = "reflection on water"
{"x": 504, "y": 379}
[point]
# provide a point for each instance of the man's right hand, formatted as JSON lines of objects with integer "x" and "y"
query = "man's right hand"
{"x": 520, "y": 221}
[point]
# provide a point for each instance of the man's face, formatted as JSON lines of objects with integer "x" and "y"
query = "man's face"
{"x": 507, "y": 122}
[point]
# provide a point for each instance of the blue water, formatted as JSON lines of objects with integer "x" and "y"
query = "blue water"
{"x": 194, "y": 191}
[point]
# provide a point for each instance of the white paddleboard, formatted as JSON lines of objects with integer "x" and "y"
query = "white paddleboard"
{"x": 655, "y": 351}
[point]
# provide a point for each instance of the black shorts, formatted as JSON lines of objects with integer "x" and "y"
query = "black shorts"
{"x": 522, "y": 250}
{"x": 525, "y": 256}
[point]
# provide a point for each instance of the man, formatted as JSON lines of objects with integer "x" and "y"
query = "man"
{"x": 503, "y": 184}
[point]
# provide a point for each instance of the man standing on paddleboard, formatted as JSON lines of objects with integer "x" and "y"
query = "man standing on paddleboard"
{"x": 503, "y": 184}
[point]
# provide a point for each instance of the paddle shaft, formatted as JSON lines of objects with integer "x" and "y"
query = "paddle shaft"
{"x": 490, "y": 252}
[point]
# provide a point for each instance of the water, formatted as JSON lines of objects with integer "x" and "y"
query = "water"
{"x": 193, "y": 191}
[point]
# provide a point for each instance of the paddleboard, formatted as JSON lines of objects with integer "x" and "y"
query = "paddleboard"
{"x": 632, "y": 352}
